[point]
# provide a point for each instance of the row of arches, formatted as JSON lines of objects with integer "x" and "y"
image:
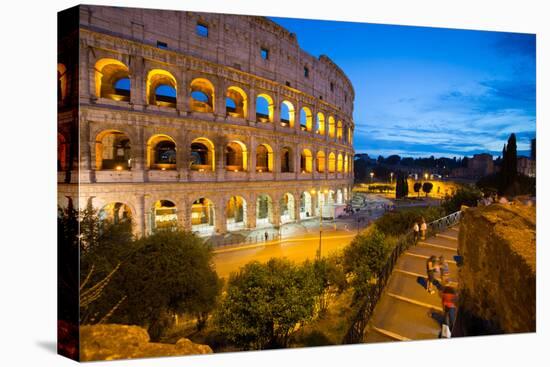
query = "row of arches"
{"x": 113, "y": 81}
{"x": 235, "y": 212}
{"x": 113, "y": 151}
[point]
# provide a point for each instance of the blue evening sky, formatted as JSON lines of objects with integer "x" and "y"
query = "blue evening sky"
{"x": 423, "y": 91}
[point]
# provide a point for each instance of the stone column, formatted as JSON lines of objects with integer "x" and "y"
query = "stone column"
{"x": 220, "y": 143}
{"x": 219, "y": 102}
{"x": 139, "y": 220}
{"x": 250, "y": 213}
{"x": 276, "y": 109}
{"x": 276, "y": 210}
{"x": 146, "y": 215}
{"x": 220, "y": 222}
{"x": 297, "y": 207}
{"x": 183, "y": 211}
{"x": 182, "y": 102}
{"x": 139, "y": 151}
{"x": 251, "y": 106}
{"x": 137, "y": 82}
{"x": 183, "y": 155}
{"x": 252, "y": 158}
{"x": 87, "y": 145}
{"x": 313, "y": 204}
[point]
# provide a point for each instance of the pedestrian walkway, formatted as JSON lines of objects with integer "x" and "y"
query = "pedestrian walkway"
{"x": 406, "y": 311}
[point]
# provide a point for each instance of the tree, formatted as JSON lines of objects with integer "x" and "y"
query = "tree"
{"x": 417, "y": 186}
{"x": 463, "y": 196}
{"x": 365, "y": 257}
{"x": 164, "y": 274}
{"x": 427, "y": 187}
{"x": 265, "y": 302}
{"x": 401, "y": 186}
{"x": 509, "y": 172}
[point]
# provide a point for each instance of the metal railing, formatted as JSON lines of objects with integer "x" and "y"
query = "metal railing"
{"x": 364, "y": 312}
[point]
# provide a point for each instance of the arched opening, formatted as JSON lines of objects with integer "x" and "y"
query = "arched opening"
{"x": 339, "y": 130}
{"x": 61, "y": 153}
{"x": 286, "y": 205}
{"x": 235, "y": 213}
{"x": 339, "y": 197}
{"x": 287, "y": 114}
{"x": 346, "y": 133}
{"x": 161, "y": 153}
{"x": 331, "y": 127}
{"x": 236, "y": 102}
{"x": 264, "y": 158}
{"x": 112, "y": 80}
{"x": 306, "y": 161}
{"x": 161, "y": 88}
{"x": 164, "y": 216}
{"x": 339, "y": 163}
{"x": 113, "y": 151}
{"x": 346, "y": 163}
{"x": 305, "y": 205}
{"x": 350, "y": 136}
{"x": 202, "y": 95}
{"x": 115, "y": 213}
{"x": 321, "y": 161}
{"x": 331, "y": 162}
{"x": 320, "y": 124}
{"x": 61, "y": 83}
{"x": 202, "y": 216}
{"x": 264, "y": 108}
{"x": 306, "y": 119}
{"x": 202, "y": 155}
{"x": 264, "y": 210}
{"x": 235, "y": 157}
{"x": 287, "y": 164}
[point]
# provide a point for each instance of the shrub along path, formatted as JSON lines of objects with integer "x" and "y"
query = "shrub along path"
{"x": 406, "y": 311}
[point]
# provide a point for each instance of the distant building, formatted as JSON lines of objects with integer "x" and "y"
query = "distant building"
{"x": 479, "y": 166}
{"x": 526, "y": 166}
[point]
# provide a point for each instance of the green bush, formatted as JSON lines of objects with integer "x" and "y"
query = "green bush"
{"x": 463, "y": 196}
{"x": 400, "y": 222}
{"x": 265, "y": 302}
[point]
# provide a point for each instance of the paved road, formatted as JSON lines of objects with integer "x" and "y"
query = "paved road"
{"x": 297, "y": 249}
{"x": 406, "y": 310}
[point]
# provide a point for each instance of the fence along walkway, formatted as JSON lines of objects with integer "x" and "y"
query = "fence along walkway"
{"x": 406, "y": 311}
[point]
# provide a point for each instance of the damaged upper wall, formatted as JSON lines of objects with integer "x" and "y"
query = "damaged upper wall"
{"x": 232, "y": 40}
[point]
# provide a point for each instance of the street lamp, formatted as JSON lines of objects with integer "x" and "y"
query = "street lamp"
{"x": 391, "y": 177}
{"x": 426, "y": 175}
{"x": 371, "y": 176}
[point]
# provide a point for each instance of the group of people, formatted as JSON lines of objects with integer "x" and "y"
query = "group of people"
{"x": 438, "y": 267}
{"x": 420, "y": 230}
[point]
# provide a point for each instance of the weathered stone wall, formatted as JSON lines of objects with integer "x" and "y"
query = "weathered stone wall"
{"x": 498, "y": 279}
{"x": 109, "y": 342}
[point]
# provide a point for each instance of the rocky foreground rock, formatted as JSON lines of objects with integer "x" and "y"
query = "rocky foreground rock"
{"x": 110, "y": 341}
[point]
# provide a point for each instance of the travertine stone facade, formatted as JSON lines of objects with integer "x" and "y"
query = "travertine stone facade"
{"x": 224, "y": 122}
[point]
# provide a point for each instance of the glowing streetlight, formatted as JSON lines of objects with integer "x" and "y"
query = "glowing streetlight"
{"x": 371, "y": 176}
{"x": 391, "y": 177}
{"x": 426, "y": 176}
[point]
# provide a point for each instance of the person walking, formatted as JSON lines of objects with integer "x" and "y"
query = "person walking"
{"x": 443, "y": 270}
{"x": 448, "y": 301}
{"x": 423, "y": 229}
{"x": 266, "y": 235}
{"x": 430, "y": 270}
{"x": 416, "y": 231}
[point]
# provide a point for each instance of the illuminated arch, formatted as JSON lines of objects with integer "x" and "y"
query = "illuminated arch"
{"x": 331, "y": 162}
{"x": 61, "y": 82}
{"x": 287, "y": 161}
{"x": 202, "y": 155}
{"x": 202, "y": 216}
{"x": 164, "y": 216}
{"x": 288, "y": 114}
{"x": 161, "y": 152}
{"x": 264, "y": 158}
{"x": 340, "y": 163}
{"x": 236, "y": 102}
{"x": 202, "y": 95}
{"x": 115, "y": 212}
{"x": 346, "y": 163}
{"x": 339, "y": 130}
{"x": 235, "y": 213}
{"x": 113, "y": 151}
{"x": 306, "y": 161}
{"x": 286, "y": 208}
{"x": 321, "y": 161}
{"x": 112, "y": 80}
{"x": 264, "y": 210}
{"x": 161, "y": 88}
{"x": 264, "y": 108}
{"x": 236, "y": 156}
{"x": 306, "y": 207}
{"x": 320, "y": 124}
{"x": 306, "y": 119}
{"x": 331, "y": 127}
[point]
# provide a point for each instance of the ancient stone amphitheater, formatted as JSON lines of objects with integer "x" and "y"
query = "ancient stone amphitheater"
{"x": 207, "y": 121}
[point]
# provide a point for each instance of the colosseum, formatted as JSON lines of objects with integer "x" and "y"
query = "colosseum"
{"x": 211, "y": 122}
